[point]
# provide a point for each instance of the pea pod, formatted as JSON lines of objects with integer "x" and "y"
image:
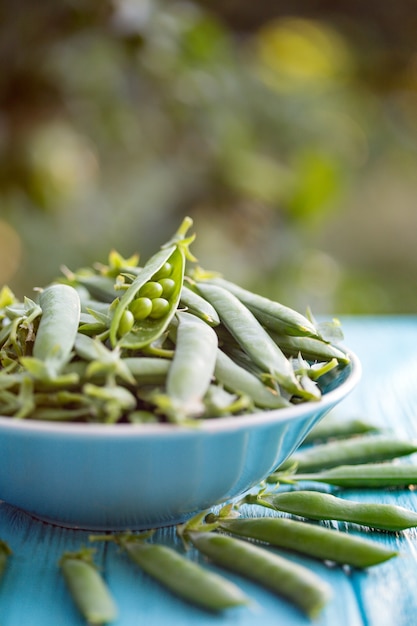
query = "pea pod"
{"x": 310, "y": 348}
{"x": 294, "y": 582}
{"x": 87, "y": 588}
{"x": 148, "y": 370}
{"x": 58, "y": 326}
{"x": 144, "y": 370}
{"x": 248, "y": 332}
{"x": 366, "y": 476}
{"x": 101, "y": 288}
{"x": 235, "y": 378}
{"x": 197, "y": 305}
{"x": 271, "y": 314}
{"x": 332, "y": 427}
{"x": 185, "y": 578}
{"x": 147, "y": 330}
{"x": 325, "y": 506}
{"x": 191, "y": 369}
{"x": 364, "y": 449}
{"x": 315, "y": 541}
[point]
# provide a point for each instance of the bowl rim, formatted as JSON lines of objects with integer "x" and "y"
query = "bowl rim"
{"x": 213, "y": 425}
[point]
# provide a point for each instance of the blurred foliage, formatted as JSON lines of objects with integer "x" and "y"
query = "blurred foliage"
{"x": 289, "y": 136}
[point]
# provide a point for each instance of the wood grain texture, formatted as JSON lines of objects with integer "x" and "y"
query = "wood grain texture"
{"x": 32, "y": 591}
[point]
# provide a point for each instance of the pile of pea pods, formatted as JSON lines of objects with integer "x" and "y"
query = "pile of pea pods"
{"x": 163, "y": 341}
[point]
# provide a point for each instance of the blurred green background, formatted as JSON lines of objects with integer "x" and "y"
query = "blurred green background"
{"x": 286, "y": 130}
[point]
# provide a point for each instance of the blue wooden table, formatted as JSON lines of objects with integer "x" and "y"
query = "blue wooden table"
{"x": 32, "y": 592}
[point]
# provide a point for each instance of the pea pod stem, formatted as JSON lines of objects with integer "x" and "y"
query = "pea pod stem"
{"x": 313, "y": 540}
{"x": 324, "y": 506}
{"x": 294, "y": 582}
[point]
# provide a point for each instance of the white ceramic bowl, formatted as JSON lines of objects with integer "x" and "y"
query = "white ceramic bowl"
{"x": 126, "y": 476}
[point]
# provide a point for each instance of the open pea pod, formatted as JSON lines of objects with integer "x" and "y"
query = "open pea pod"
{"x": 145, "y": 329}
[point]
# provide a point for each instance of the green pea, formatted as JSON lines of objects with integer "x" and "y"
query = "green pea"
{"x": 164, "y": 272}
{"x": 286, "y": 578}
{"x": 310, "y": 539}
{"x": 126, "y": 322}
{"x": 168, "y": 286}
{"x": 325, "y": 506}
{"x": 87, "y": 588}
{"x": 160, "y": 307}
{"x": 141, "y": 308}
{"x": 151, "y": 289}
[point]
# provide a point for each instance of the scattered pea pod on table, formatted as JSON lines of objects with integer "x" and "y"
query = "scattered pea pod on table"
{"x": 294, "y": 582}
{"x": 325, "y": 506}
{"x": 178, "y": 573}
{"x": 88, "y": 589}
{"x": 313, "y": 540}
{"x": 349, "y": 451}
{"x": 334, "y": 427}
{"x": 362, "y": 476}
